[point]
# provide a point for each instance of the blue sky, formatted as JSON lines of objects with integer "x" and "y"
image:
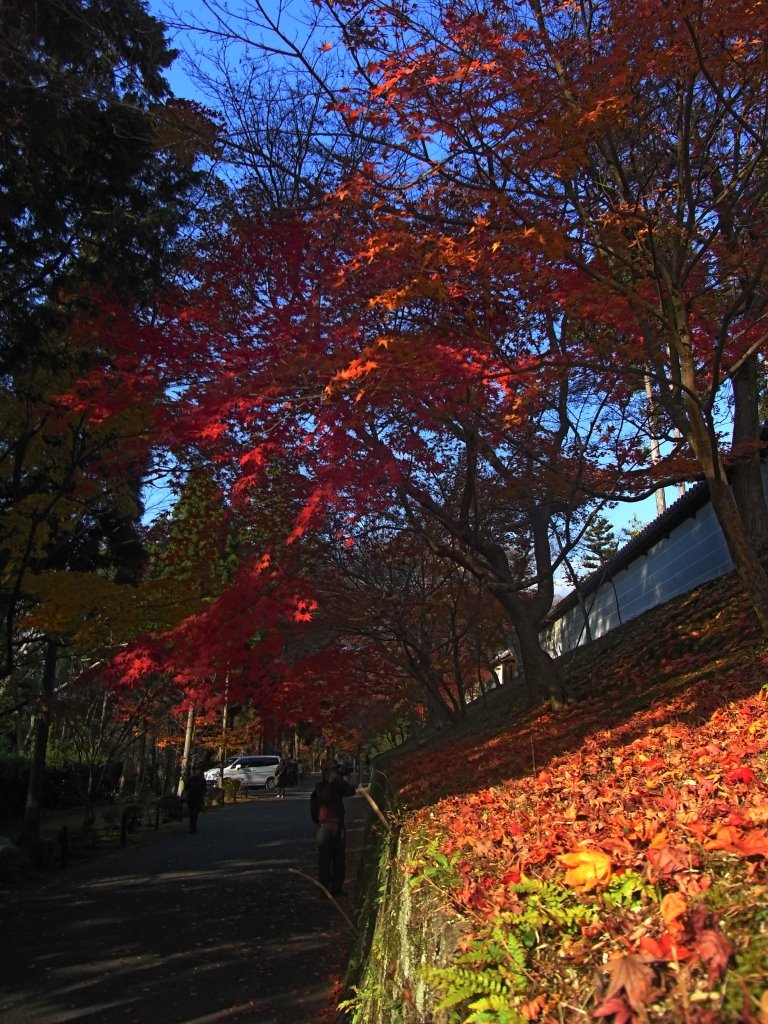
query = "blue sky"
{"x": 197, "y": 11}
{"x": 179, "y": 81}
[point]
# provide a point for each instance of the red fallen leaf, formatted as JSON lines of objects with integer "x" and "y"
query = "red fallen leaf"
{"x": 671, "y": 949}
{"x": 632, "y": 973}
{"x": 651, "y": 946}
{"x": 743, "y": 774}
{"x": 736, "y": 818}
{"x": 617, "y": 1008}
{"x": 650, "y": 764}
{"x": 715, "y": 951}
{"x": 665, "y": 948}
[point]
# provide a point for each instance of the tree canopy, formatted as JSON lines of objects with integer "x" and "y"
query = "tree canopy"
{"x": 99, "y": 189}
{"x": 502, "y": 266}
{"x": 468, "y": 322}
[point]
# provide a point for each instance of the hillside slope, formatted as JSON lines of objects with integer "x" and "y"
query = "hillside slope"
{"x": 609, "y": 862}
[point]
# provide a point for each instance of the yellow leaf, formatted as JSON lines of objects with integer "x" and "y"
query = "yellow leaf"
{"x": 587, "y": 869}
{"x": 673, "y": 906}
{"x": 660, "y": 839}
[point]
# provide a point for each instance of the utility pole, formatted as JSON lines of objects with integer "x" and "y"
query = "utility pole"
{"x": 661, "y": 501}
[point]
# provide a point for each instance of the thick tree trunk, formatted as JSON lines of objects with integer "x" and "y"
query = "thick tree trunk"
{"x": 746, "y": 562}
{"x": 30, "y": 829}
{"x": 701, "y": 436}
{"x": 438, "y": 709}
{"x": 542, "y": 674}
{"x": 746, "y": 476}
{"x": 488, "y": 563}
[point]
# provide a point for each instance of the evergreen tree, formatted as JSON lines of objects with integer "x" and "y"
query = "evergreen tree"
{"x": 599, "y": 543}
{"x": 97, "y": 180}
{"x": 95, "y": 191}
{"x": 92, "y": 191}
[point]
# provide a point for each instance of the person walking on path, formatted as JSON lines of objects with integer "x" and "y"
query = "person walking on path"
{"x": 281, "y": 778}
{"x": 194, "y": 793}
{"x": 327, "y": 811}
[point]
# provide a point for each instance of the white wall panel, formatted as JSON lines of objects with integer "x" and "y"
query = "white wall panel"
{"x": 693, "y": 553}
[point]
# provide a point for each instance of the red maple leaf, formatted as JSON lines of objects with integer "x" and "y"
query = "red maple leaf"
{"x": 715, "y": 951}
{"x": 617, "y": 1008}
{"x": 632, "y": 973}
{"x": 743, "y": 774}
{"x": 665, "y": 948}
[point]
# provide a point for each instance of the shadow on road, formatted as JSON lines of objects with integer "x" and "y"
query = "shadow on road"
{"x": 183, "y": 929}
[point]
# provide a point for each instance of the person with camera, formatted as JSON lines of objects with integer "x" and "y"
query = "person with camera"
{"x": 327, "y": 810}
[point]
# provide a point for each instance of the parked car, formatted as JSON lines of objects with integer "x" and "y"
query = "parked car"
{"x": 214, "y": 774}
{"x": 251, "y": 770}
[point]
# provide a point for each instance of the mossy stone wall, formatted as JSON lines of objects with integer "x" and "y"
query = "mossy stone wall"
{"x": 408, "y": 929}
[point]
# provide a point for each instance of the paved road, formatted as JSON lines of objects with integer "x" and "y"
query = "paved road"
{"x": 180, "y": 928}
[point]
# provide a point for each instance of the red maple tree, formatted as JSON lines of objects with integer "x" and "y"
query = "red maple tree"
{"x": 564, "y": 204}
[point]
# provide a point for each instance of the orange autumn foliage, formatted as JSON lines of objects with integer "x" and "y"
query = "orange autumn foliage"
{"x": 664, "y": 780}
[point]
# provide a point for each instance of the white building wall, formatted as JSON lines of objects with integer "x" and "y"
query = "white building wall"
{"x": 693, "y": 553}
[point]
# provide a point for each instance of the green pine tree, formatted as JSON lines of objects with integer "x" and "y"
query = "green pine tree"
{"x": 599, "y": 544}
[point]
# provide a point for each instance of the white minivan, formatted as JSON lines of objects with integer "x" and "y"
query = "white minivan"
{"x": 251, "y": 770}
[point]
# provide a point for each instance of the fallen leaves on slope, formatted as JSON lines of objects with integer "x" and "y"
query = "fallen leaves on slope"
{"x": 648, "y": 817}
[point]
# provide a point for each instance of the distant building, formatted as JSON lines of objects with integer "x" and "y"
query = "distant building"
{"x": 681, "y": 549}
{"x": 506, "y": 666}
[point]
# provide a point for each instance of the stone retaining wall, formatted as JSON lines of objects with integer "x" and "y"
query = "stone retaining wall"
{"x": 413, "y": 931}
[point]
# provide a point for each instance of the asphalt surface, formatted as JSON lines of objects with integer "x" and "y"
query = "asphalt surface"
{"x": 223, "y": 925}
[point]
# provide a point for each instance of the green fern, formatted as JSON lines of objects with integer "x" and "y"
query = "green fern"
{"x": 493, "y": 1010}
{"x": 435, "y": 866}
{"x": 630, "y": 891}
{"x": 485, "y": 979}
{"x": 459, "y": 985}
{"x": 489, "y": 982}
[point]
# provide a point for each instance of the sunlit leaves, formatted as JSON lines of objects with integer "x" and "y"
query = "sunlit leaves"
{"x": 650, "y": 819}
{"x": 587, "y": 869}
